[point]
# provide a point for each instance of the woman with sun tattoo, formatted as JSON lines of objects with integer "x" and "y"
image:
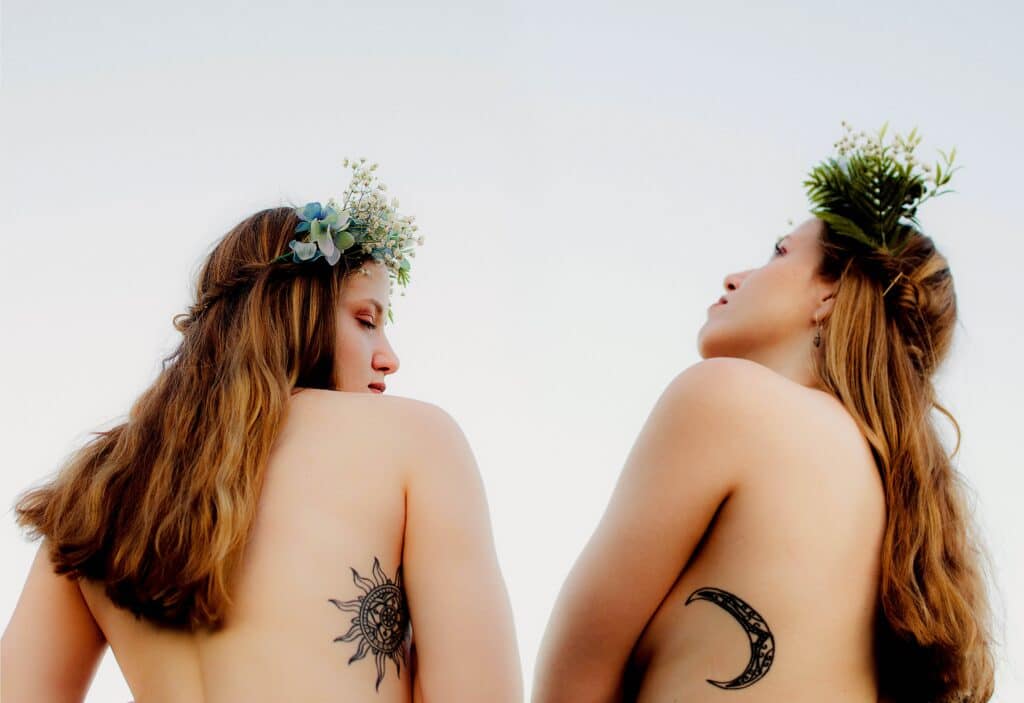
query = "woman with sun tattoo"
{"x": 788, "y": 525}
{"x": 266, "y": 525}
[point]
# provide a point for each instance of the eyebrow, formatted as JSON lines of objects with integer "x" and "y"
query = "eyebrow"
{"x": 375, "y": 303}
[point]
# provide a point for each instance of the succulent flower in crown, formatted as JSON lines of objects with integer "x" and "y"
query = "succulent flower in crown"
{"x": 364, "y": 223}
{"x": 872, "y": 191}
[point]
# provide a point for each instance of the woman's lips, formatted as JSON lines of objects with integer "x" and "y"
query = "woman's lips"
{"x": 377, "y": 387}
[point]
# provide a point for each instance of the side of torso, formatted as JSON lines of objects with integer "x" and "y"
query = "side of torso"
{"x": 321, "y": 563}
{"x": 782, "y": 588}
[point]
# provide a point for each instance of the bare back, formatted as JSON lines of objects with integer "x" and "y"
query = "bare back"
{"x": 333, "y": 501}
{"x": 320, "y": 610}
{"x": 739, "y": 554}
{"x": 779, "y": 597}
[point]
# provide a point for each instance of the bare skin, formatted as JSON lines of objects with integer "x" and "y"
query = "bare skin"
{"x": 354, "y": 479}
{"x": 749, "y": 485}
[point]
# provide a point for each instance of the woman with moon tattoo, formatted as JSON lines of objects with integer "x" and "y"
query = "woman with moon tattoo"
{"x": 267, "y": 525}
{"x": 788, "y": 525}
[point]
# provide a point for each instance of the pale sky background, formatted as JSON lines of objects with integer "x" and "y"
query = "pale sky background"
{"x": 585, "y": 174}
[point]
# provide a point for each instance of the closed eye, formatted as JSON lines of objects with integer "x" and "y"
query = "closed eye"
{"x": 779, "y": 250}
{"x": 367, "y": 324}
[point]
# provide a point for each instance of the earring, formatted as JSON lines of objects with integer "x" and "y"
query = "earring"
{"x": 817, "y": 333}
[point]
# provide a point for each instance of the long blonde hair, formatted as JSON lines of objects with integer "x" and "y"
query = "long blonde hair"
{"x": 160, "y": 507}
{"x": 880, "y": 352}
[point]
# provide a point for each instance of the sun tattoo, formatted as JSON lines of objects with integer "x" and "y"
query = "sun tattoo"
{"x": 381, "y": 623}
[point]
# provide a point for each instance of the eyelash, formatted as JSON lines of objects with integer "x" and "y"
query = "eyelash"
{"x": 779, "y": 250}
{"x": 367, "y": 324}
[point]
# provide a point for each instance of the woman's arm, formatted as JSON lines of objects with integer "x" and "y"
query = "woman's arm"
{"x": 682, "y": 467}
{"x": 52, "y": 645}
{"x": 459, "y": 606}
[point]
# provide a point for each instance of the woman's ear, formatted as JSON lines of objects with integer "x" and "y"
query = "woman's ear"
{"x": 825, "y": 303}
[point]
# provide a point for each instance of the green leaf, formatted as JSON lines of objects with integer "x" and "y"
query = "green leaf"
{"x": 845, "y": 227}
{"x": 344, "y": 240}
{"x": 870, "y": 197}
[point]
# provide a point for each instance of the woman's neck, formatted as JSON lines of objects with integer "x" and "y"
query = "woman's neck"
{"x": 792, "y": 359}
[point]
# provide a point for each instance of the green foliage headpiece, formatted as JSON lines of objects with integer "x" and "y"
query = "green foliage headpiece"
{"x": 870, "y": 193}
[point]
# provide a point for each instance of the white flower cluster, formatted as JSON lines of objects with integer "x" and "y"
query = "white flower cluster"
{"x": 901, "y": 149}
{"x": 388, "y": 236}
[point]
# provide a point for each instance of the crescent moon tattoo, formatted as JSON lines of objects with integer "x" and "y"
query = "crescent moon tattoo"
{"x": 762, "y": 642}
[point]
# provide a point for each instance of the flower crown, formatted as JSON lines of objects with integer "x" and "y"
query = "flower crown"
{"x": 871, "y": 193}
{"x": 364, "y": 223}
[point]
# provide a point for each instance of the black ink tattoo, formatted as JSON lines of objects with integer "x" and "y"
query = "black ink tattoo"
{"x": 381, "y": 624}
{"x": 762, "y": 642}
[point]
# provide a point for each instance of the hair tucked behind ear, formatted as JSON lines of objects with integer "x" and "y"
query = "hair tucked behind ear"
{"x": 879, "y": 357}
{"x": 159, "y": 508}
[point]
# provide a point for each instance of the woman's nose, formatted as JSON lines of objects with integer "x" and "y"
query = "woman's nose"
{"x": 385, "y": 360}
{"x": 733, "y": 280}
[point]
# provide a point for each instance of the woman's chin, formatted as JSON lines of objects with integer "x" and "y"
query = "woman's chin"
{"x": 703, "y": 348}
{"x": 706, "y": 340}
{"x": 712, "y": 343}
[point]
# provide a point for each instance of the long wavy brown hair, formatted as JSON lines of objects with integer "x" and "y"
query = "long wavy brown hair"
{"x": 879, "y": 356}
{"x": 160, "y": 507}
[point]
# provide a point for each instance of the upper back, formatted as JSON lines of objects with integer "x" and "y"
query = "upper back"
{"x": 321, "y": 563}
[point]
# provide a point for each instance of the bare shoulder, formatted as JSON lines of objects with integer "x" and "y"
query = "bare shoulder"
{"x": 413, "y": 432}
{"x": 748, "y": 409}
{"x": 730, "y": 395}
{"x": 725, "y": 379}
{"x": 397, "y": 416}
